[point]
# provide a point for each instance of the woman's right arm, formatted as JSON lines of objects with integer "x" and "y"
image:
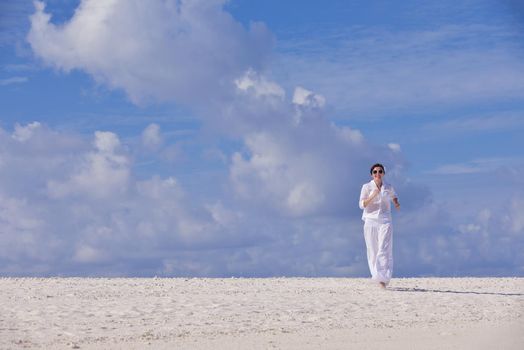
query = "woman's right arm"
{"x": 365, "y": 199}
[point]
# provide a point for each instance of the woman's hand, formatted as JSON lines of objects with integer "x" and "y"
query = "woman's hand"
{"x": 397, "y": 204}
{"x": 370, "y": 198}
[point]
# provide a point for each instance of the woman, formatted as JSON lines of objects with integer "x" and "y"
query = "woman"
{"x": 375, "y": 201}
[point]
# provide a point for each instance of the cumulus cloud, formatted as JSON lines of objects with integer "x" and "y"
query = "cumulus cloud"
{"x": 292, "y": 185}
{"x": 28, "y": 146}
{"x": 151, "y": 136}
{"x": 259, "y": 85}
{"x": 74, "y": 221}
{"x": 304, "y": 97}
{"x": 515, "y": 218}
{"x": 295, "y": 176}
{"x": 103, "y": 172}
{"x": 187, "y": 51}
{"x": 152, "y": 226}
{"x": 23, "y": 133}
{"x": 87, "y": 209}
{"x": 492, "y": 239}
{"x": 296, "y": 161}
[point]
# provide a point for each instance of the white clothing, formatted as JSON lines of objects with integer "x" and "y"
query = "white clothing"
{"x": 378, "y": 230}
{"x": 379, "y": 243}
{"x": 380, "y": 207}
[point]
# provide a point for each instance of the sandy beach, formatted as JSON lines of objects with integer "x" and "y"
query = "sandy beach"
{"x": 272, "y": 313}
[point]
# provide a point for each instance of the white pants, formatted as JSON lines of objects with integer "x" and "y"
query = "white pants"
{"x": 379, "y": 243}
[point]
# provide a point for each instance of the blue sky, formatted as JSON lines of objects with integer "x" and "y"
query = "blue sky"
{"x": 214, "y": 138}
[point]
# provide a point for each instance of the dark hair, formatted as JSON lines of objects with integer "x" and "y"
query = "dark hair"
{"x": 375, "y": 166}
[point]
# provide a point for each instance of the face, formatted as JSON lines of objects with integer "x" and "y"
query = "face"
{"x": 377, "y": 173}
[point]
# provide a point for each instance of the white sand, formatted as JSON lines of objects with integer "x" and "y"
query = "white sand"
{"x": 288, "y": 313}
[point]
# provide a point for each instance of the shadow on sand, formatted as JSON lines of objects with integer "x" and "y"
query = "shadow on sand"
{"x": 401, "y": 289}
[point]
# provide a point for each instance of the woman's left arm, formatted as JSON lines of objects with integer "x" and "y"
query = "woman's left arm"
{"x": 395, "y": 198}
{"x": 397, "y": 204}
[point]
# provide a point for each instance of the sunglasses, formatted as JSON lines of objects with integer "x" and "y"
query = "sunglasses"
{"x": 378, "y": 171}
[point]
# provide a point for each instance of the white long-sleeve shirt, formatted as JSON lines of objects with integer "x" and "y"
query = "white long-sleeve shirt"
{"x": 380, "y": 207}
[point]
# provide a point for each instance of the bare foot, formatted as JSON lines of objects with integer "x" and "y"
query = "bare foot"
{"x": 382, "y": 285}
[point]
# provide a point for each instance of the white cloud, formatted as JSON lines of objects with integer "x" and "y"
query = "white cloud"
{"x": 304, "y": 97}
{"x": 186, "y": 51}
{"x": 259, "y": 85}
{"x": 283, "y": 176}
{"x": 21, "y": 230}
{"x": 19, "y": 67}
{"x": 13, "y": 80}
{"x": 106, "y": 142}
{"x": 155, "y": 227}
{"x": 486, "y": 123}
{"x": 151, "y": 137}
{"x": 87, "y": 254}
{"x": 16, "y": 214}
{"x": 102, "y": 173}
{"x": 473, "y": 228}
{"x": 23, "y": 133}
{"x": 293, "y": 187}
{"x": 222, "y": 215}
{"x": 86, "y": 207}
{"x": 492, "y": 239}
{"x": 395, "y": 147}
{"x": 455, "y": 169}
{"x": 293, "y": 160}
{"x": 475, "y": 166}
{"x": 516, "y": 215}
{"x": 304, "y": 197}
{"x": 349, "y": 134}
{"x": 379, "y": 72}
